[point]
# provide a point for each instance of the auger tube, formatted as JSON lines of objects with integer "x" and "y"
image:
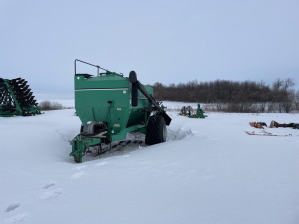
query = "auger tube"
{"x": 138, "y": 85}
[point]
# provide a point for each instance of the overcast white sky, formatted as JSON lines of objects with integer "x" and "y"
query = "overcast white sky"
{"x": 163, "y": 41}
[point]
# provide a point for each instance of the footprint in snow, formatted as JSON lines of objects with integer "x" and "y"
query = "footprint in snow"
{"x": 212, "y": 138}
{"x": 49, "y": 194}
{"x": 78, "y": 175}
{"x": 101, "y": 163}
{"x": 12, "y": 207}
{"x": 15, "y": 219}
{"x": 79, "y": 167}
{"x": 49, "y": 185}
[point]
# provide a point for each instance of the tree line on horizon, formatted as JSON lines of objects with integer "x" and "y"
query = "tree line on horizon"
{"x": 245, "y": 96}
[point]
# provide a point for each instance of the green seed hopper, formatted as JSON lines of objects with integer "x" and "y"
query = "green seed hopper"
{"x": 16, "y": 98}
{"x": 110, "y": 105}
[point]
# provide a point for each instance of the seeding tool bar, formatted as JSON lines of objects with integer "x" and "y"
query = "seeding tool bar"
{"x": 16, "y": 98}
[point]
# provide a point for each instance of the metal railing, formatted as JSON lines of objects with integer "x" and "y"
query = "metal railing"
{"x": 98, "y": 67}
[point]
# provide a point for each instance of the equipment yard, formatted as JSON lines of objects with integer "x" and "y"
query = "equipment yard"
{"x": 208, "y": 171}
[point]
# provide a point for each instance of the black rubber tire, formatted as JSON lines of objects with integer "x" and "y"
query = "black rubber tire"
{"x": 156, "y": 130}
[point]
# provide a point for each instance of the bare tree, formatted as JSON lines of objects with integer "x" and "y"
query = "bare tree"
{"x": 297, "y": 100}
{"x": 288, "y": 94}
{"x": 277, "y": 96}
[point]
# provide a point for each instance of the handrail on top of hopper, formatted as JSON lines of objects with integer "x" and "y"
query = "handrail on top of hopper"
{"x": 98, "y": 67}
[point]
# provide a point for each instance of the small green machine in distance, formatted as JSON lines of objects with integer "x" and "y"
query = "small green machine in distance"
{"x": 109, "y": 106}
{"x": 188, "y": 112}
{"x": 16, "y": 98}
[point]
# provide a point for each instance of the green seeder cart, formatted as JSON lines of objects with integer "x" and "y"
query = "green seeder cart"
{"x": 110, "y": 105}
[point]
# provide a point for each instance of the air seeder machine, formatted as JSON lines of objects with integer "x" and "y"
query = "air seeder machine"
{"x": 189, "y": 112}
{"x": 109, "y": 106}
{"x": 16, "y": 98}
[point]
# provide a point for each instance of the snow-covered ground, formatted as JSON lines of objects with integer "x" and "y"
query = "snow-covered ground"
{"x": 209, "y": 171}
